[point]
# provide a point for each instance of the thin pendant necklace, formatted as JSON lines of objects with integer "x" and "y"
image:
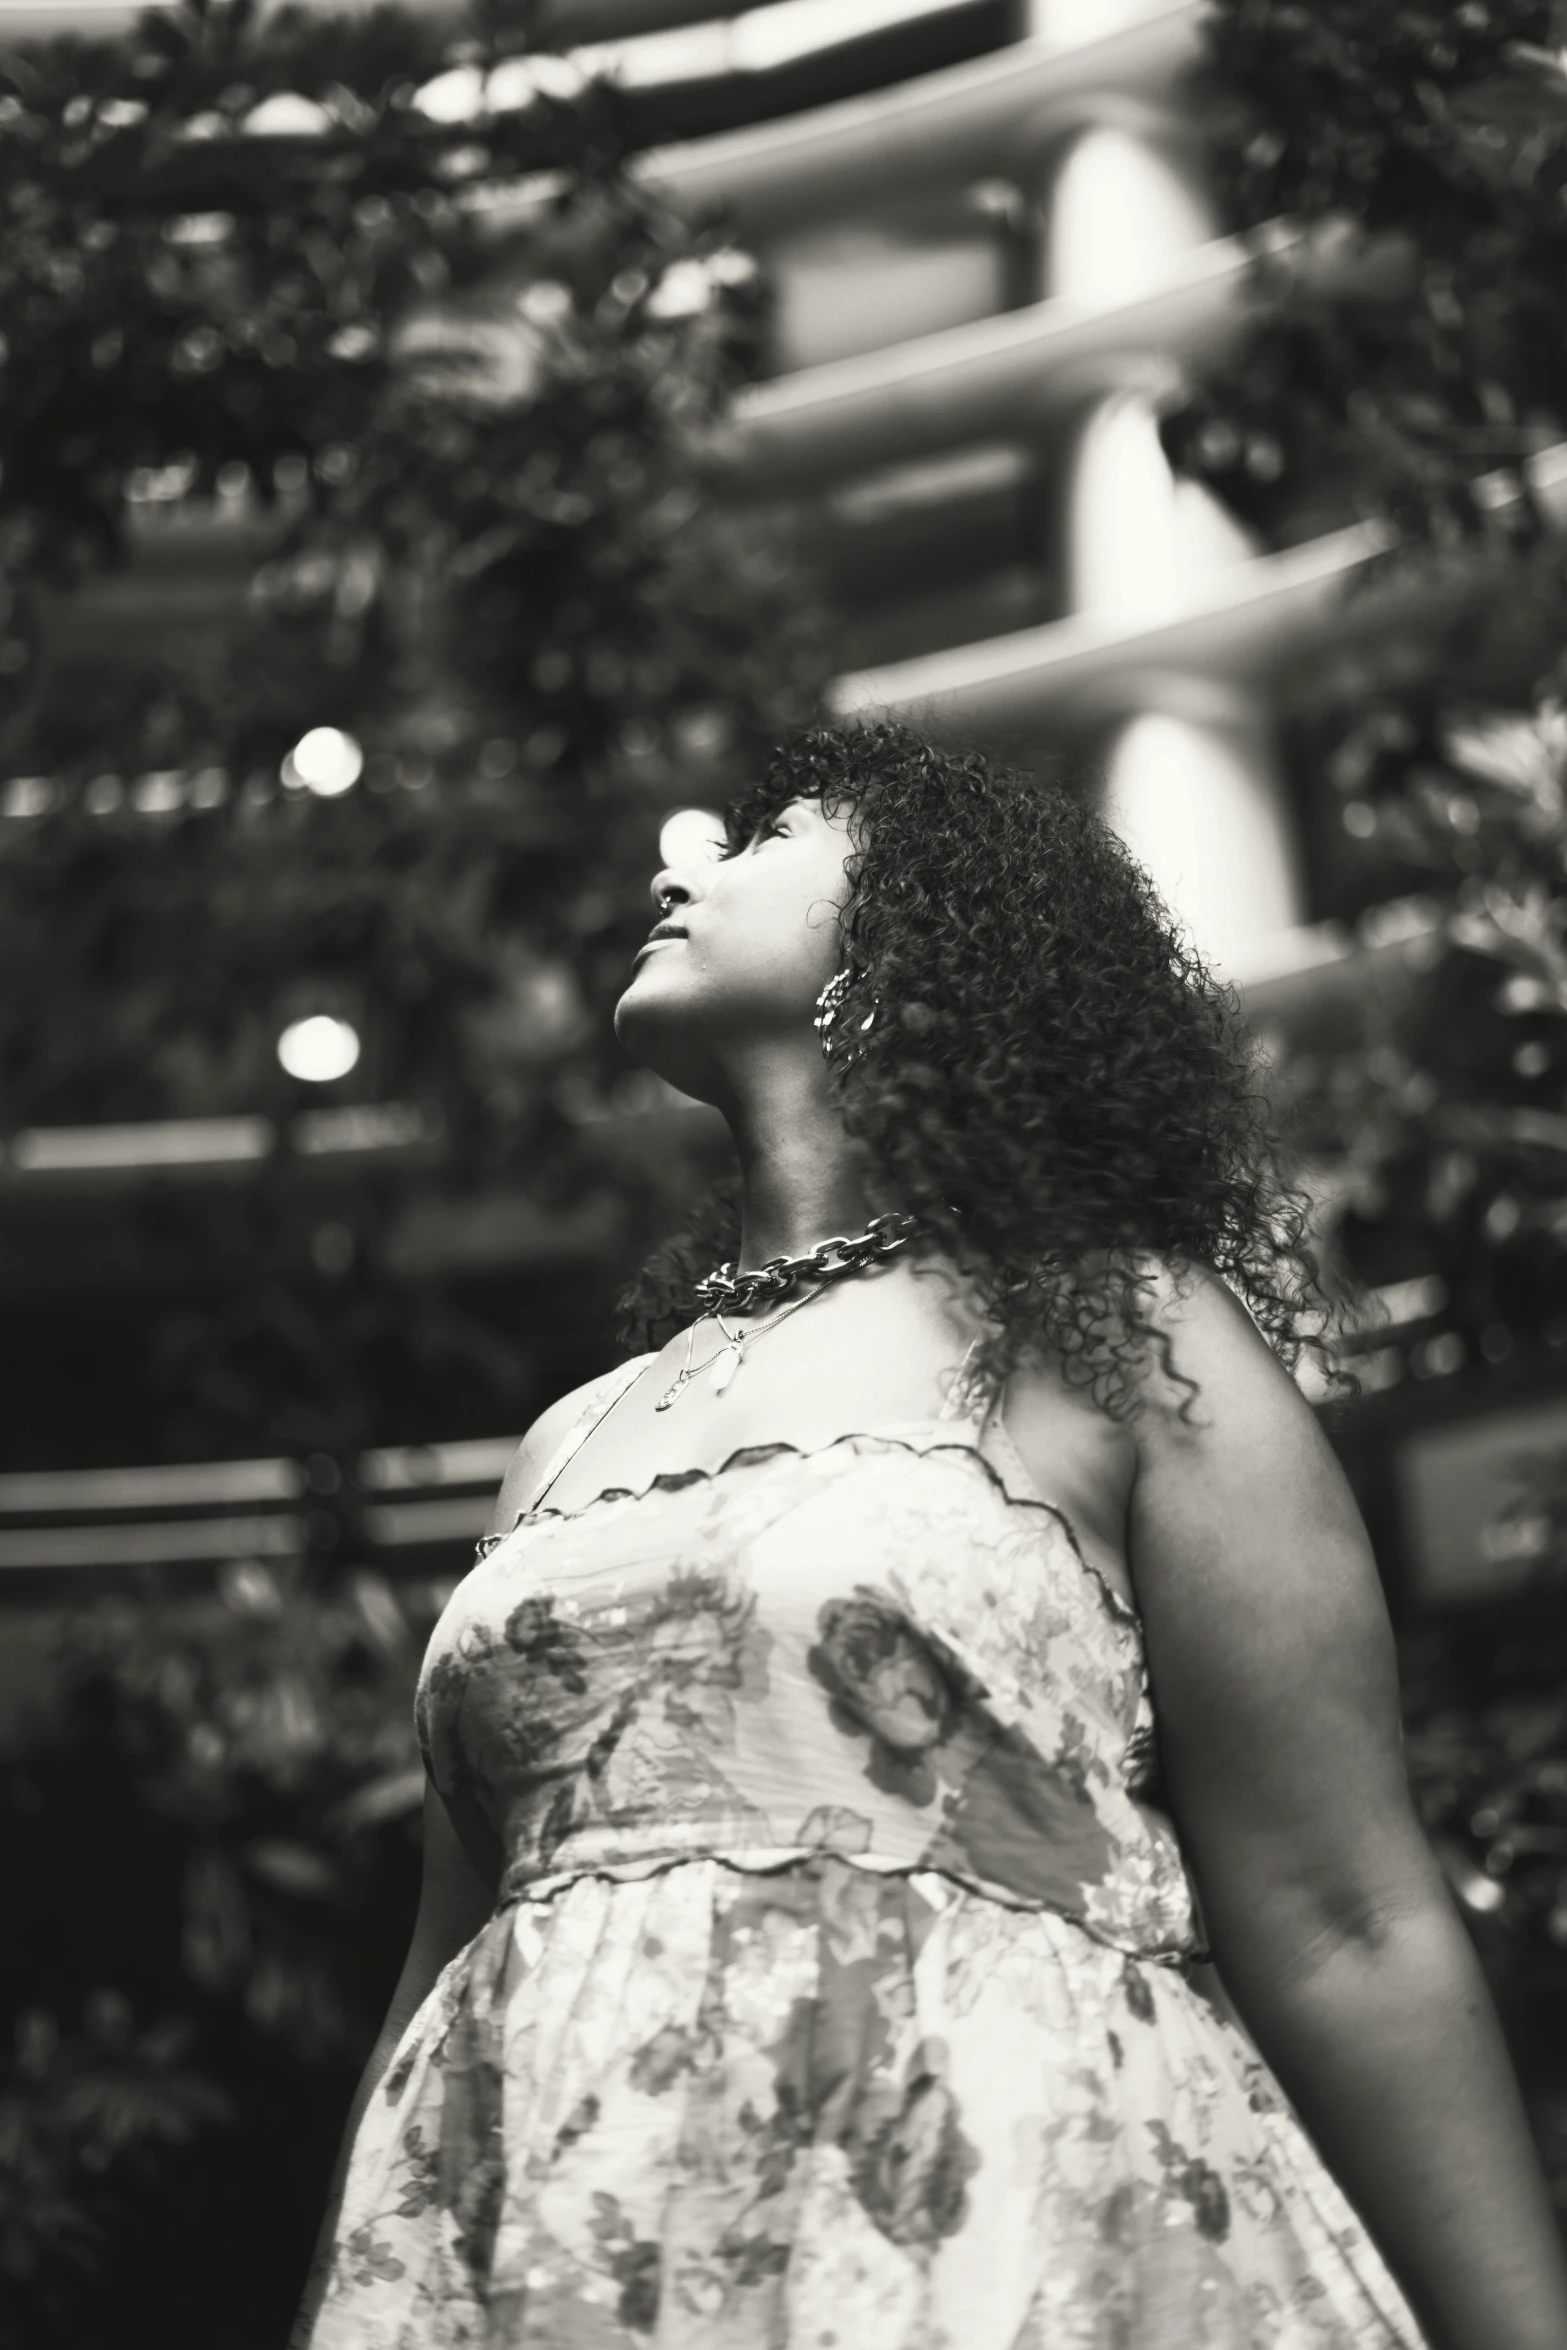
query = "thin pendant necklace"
{"x": 829, "y": 1261}
{"x": 724, "y": 1364}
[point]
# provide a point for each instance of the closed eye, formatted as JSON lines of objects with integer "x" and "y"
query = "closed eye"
{"x": 771, "y": 829}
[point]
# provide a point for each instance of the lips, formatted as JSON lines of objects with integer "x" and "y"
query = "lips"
{"x": 657, "y": 938}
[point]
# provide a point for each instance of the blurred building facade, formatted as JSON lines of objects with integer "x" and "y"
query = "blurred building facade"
{"x": 994, "y": 258}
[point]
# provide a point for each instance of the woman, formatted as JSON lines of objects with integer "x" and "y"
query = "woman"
{"x": 837, "y": 1783}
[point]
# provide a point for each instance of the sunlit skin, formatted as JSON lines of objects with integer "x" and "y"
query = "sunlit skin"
{"x": 725, "y": 1015}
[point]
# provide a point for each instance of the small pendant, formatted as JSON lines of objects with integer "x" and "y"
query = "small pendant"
{"x": 725, "y": 1365}
{"x": 670, "y": 1393}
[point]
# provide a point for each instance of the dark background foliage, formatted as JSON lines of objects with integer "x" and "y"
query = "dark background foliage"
{"x": 1438, "y": 136}
{"x": 209, "y": 1859}
{"x": 463, "y": 490}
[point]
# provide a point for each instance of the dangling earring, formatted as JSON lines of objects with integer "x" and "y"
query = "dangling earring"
{"x": 829, "y": 1004}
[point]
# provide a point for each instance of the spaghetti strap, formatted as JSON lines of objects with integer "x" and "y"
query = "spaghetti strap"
{"x": 603, "y": 1396}
{"x": 603, "y": 1393}
{"x": 969, "y": 1398}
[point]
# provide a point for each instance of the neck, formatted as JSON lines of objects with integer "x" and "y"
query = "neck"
{"x": 792, "y": 1199}
{"x": 799, "y": 1181}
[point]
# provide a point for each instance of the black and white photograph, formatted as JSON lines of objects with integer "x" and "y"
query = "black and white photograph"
{"x": 783, "y": 1174}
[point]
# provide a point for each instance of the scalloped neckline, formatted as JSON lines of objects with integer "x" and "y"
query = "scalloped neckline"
{"x": 672, "y": 1480}
{"x": 745, "y": 1455}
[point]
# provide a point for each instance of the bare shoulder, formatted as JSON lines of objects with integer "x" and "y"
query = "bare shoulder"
{"x": 1236, "y": 1488}
{"x": 1211, "y": 1344}
{"x": 1087, "y": 1459}
{"x": 532, "y": 1455}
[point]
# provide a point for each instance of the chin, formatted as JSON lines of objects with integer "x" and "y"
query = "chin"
{"x": 638, "y": 1026}
{"x": 652, "y": 1043}
{"x": 625, "y": 1014}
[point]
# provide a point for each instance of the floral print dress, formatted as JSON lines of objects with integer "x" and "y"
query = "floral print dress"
{"x": 844, "y": 1989}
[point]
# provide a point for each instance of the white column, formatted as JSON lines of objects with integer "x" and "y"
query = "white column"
{"x": 1136, "y": 539}
{"x": 1194, "y": 790}
{"x": 1123, "y": 203}
{"x": 1191, "y": 776}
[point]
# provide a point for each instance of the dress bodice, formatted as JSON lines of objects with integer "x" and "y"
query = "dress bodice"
{"x": 886, "y": 1648}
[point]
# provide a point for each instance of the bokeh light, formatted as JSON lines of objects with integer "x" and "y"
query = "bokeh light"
{"x": 325, "y": 761}
{"x": 690, "y": 835}
{"x": 318, "y": 1049}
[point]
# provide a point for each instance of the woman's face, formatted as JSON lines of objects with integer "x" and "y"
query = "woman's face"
{"x": 760, "y": 942}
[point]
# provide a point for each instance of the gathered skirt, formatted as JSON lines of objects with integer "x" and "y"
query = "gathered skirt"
{"x": 821, "y": 2108}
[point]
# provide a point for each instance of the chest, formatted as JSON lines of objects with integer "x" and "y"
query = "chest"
{"x": 878, "y": 1353}
{"x": 1046, "y": 1439}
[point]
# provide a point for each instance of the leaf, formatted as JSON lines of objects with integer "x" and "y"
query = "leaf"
{"x": 292, "y": 1868}
{"x": 216, "y": 1940}
{"x": 389, "y": 1797}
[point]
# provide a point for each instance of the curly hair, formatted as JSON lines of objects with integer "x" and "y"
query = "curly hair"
{"x": 1054, "y": 1083}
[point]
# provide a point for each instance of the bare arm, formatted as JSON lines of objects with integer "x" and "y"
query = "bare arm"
{"x": 456, "y": 1898}
{"x": 1275, "y": 1679}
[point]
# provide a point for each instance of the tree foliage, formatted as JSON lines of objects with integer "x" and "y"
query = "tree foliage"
{"x": 1440, "y": 134}
{"x": 258, "y": 298}
{"x": 1445, "y": 1121}
{"x": 195, "y": 1980}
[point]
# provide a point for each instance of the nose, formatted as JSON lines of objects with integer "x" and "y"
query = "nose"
{"x": 667, "y": 885}
{"x": 684, "y": 879}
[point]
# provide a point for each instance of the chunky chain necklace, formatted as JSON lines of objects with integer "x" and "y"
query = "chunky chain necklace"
{"x": 827, "y": 1261}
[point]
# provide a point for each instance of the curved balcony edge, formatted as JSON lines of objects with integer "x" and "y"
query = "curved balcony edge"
{"x": 1256, "y": 618}
{"x": 1021, "y": 367}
